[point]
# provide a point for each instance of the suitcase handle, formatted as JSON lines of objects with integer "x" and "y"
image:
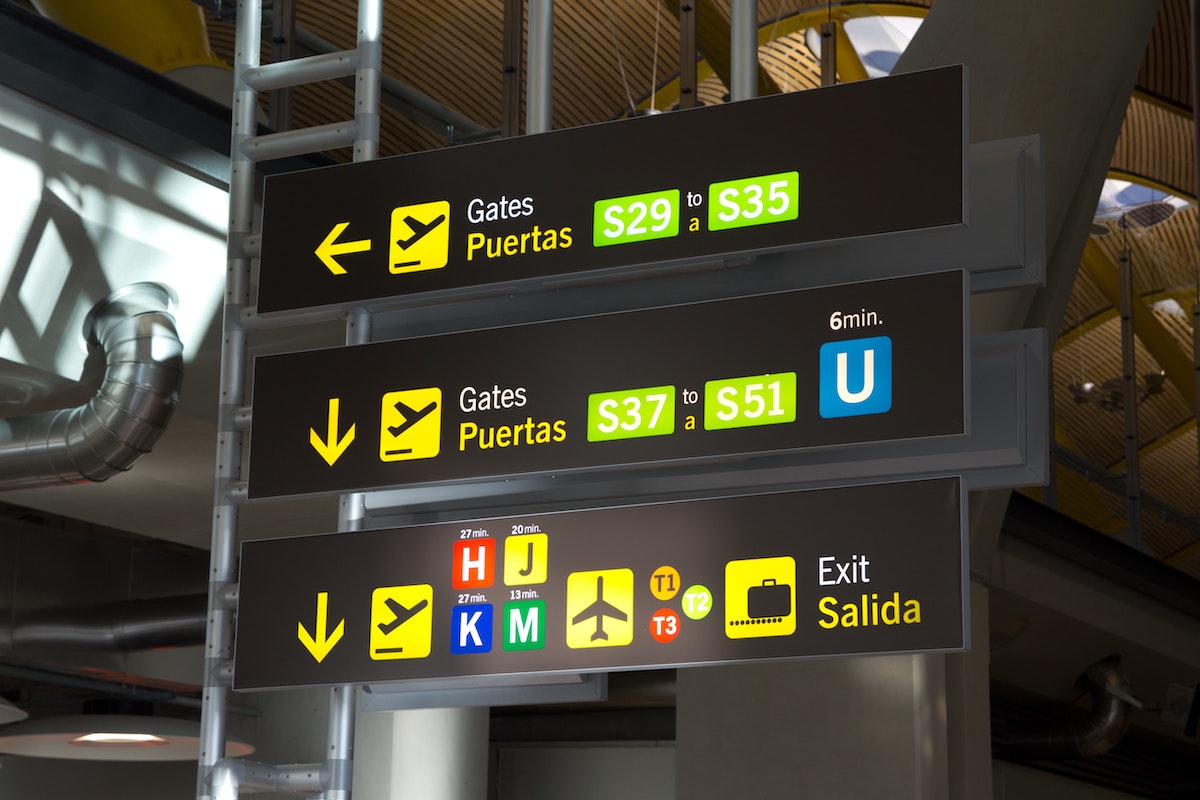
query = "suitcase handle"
{"x": 769, "y": 582}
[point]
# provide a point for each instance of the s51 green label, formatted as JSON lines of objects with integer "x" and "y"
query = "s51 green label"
{"x": 746, "y": 402}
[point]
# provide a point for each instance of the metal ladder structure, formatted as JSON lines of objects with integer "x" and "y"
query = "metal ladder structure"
{"x": 219, "y": 778}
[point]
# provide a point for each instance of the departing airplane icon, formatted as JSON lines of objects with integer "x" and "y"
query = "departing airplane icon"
{"x": 599, "y": 609}
{"x": 419, "y": 229}
{"x": 402, "y": 612}
{"x": 411, "y": 416}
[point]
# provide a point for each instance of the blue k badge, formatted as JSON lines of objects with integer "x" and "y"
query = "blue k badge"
{"x": 856, "y": 377}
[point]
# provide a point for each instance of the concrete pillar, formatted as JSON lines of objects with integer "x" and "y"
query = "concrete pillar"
{"x": 847, "y": 728}
{"x": 916, "y": 726}
{"x": 1064, "y": 70}
{"x": 422, "y": 754}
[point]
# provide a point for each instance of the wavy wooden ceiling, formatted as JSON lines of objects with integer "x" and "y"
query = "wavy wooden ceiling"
{"x": 612, "y": 56}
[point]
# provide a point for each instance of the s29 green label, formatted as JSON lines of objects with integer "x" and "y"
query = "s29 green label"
{"x": 754, "y": 201}
{"x": 636, "y": 218}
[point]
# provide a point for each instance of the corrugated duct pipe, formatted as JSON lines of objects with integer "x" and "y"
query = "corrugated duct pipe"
{"x": 1097, "y": 733}
{"x": 177, "y": 621}
{"x": 121, "y": 423}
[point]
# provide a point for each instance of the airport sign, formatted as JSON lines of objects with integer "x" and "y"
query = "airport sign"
{"x": 847, "y": 571}
{"x": 758, "y": 176}
{"x": 702, "y": 382}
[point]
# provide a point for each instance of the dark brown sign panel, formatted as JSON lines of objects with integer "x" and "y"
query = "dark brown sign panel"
{"x": 867, "y": 569}
{"x": 855, "y": 363}
{"x": 761, "y": 175}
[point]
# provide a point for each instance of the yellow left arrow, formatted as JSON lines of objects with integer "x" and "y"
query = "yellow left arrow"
{"x": 322, "y": 642}
{"x": 331, "y": 247}
{"x": 331, "y": 448}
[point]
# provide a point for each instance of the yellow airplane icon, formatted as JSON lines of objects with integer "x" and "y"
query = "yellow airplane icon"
{"x": 599, "y": 610}
{"x": 420, "y": 237}
{"x": 605, "y": 596}
{"x": 410, "y": 424}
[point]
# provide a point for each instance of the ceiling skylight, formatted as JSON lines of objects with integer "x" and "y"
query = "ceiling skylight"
{"x": 1120, "y": 198}
{"x": 879, "y": 41}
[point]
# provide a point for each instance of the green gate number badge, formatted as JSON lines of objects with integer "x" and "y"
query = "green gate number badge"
{"x": 754, "y": 201}
{"x": 631, "y": 413}
{"x": 746, "y": 402}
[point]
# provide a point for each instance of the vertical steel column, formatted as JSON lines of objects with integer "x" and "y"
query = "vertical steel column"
{"x": 283, "y": 37}
{"x": 1129, "y": 393}
{"x": 352, "y": 505}
{"x": 223, "y": 557}
{"x": 541, "y": 66}
{"x": 1050, "y": 490}
{"x": 687, "y": 55}
{"x": 1196, "y": 178}
{"x": 1196, "y": 367}
{"x": 368, "y": 79}
{"x": 744, "y": 50}
{"x": 829, "y": 40}
{"x": 510, "y": 112}
{"x": 340, "y": 750}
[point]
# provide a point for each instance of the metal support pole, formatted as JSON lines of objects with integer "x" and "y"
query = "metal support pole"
{"x": 744, "y": 50}
{"x": 1196, "y": 178}
{"x": 510, "y": 113}
{"x": 352, "y": 505}
{"x": 368, "y": 79}
{"x": 687, "y": 55}
{"x": 1196, "y": 365}
{"x": 1050, "y": 491}
{"x": 541, "y": 66}
{"x": 1133, "y": 501}
{"x": 283, "y": 39}
{"x": 223, "y": 555}
{"x": 340, "y": 750}
{"x": 351, "y": 508}
{"x": 829, "y": 38}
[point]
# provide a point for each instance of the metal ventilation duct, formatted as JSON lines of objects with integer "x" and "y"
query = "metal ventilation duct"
{"x": 144, "y": 368}
{"x": 1094, "y": 735}
{"x": 161, "y": 622}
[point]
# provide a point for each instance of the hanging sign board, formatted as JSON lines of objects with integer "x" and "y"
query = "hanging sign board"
{"x": 866, "y": 362}
{"x": 763, "y": 175}
{"x": 868, "y": 569}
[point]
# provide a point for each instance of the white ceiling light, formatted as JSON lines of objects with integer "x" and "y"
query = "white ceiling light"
{"x": 110, "y": 737}
{"x": 10, "y": 713}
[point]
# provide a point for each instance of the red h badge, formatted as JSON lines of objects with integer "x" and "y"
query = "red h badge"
{"x": 474, "y": 563}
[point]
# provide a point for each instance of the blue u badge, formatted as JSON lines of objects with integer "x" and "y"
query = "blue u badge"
{"x": 856, "y": 377}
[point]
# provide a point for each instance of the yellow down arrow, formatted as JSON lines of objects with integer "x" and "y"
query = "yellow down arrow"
{"x": 331, "y": 247}
{"x": 320, "y": 644}
{"x": 331, "y": 448}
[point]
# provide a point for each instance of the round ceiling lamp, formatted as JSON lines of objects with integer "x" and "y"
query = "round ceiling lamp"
{"x": 10, "y": 713}
{"x": 110, "y": 737}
